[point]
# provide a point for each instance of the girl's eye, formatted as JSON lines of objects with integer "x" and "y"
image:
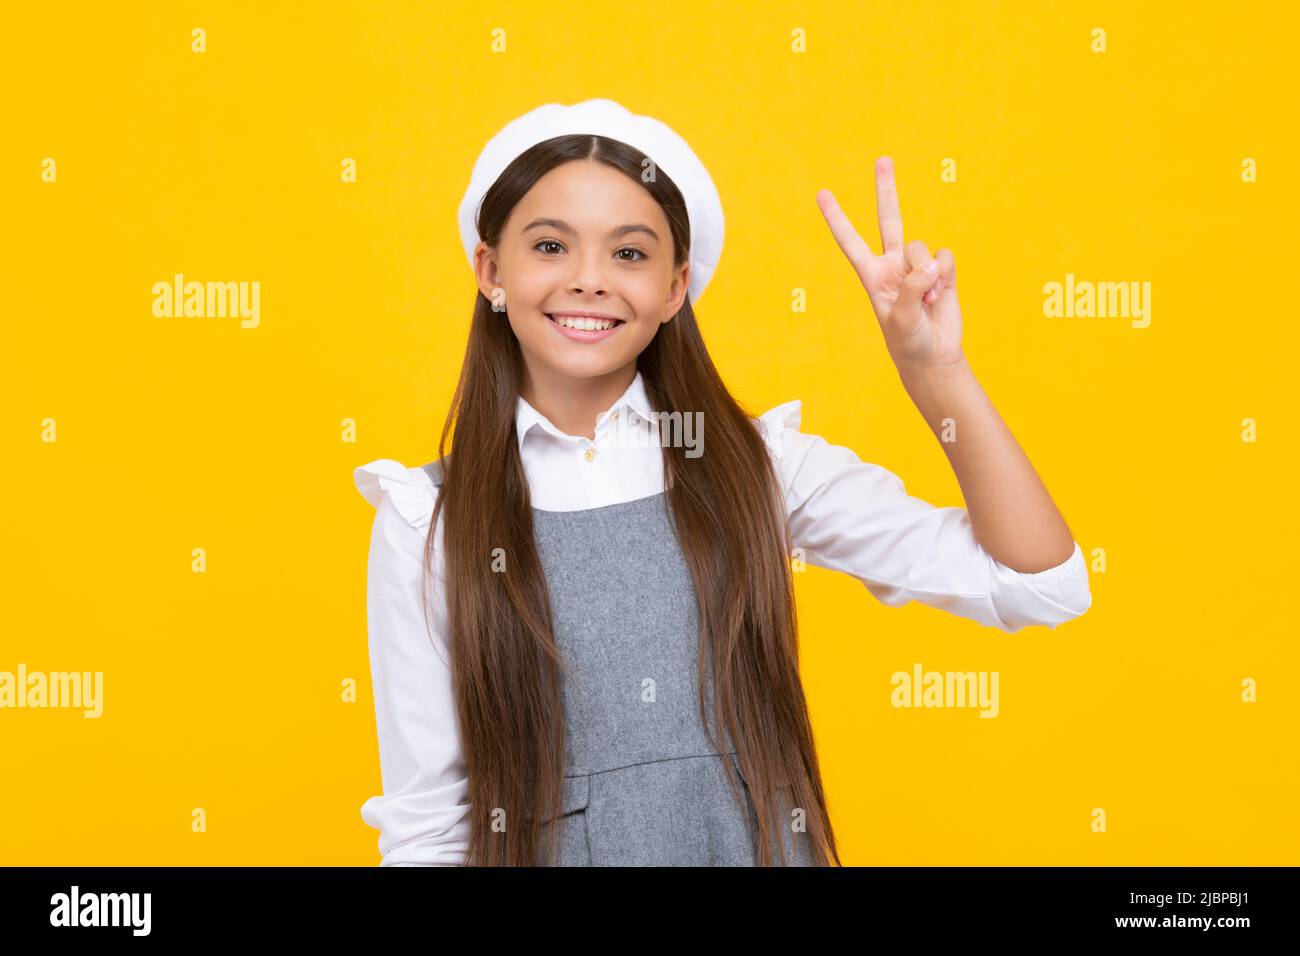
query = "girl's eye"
{"x": 551, "y": 242}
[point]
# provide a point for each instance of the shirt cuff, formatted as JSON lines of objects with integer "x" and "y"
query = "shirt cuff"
{"x": 1049, "y": 597}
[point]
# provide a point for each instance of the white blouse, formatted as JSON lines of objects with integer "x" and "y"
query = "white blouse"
{"x": 844, "y": 513}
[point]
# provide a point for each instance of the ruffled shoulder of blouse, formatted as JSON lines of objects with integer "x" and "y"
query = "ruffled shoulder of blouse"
{"x": 411, "y": 489}
{"x": 773, "y": 423}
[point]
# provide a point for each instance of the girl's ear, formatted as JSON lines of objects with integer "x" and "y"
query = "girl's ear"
{"x": 677, "y": 291}
{"x": 486, "y": 271}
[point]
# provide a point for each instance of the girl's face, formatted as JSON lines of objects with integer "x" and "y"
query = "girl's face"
{"x": 585, "y": 238}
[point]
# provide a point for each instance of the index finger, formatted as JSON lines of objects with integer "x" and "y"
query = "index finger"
{"x": 846, "y": 237}
{"x": 891, "y": 221}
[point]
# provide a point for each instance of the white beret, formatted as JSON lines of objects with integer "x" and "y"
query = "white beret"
{"x": 668, "y": 150}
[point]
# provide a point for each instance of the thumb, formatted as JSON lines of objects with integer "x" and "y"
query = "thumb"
{"x": 917, "y": 283}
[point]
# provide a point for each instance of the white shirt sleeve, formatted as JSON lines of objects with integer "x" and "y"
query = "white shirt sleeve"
{"x": 856, "y": 517}
{"x": 421, "y": 815}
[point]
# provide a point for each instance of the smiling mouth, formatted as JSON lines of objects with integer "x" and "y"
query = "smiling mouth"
{"x": 579, "y": 324}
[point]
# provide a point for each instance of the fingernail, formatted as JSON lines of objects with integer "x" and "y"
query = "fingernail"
{"x": 932, "y": 267}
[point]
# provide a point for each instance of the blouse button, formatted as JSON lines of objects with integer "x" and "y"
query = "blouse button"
{"x": 589, "y": 454}
{"x": 614, "y": 417}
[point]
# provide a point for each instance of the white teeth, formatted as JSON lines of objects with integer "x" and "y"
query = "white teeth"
{"x": 590, "y": 325}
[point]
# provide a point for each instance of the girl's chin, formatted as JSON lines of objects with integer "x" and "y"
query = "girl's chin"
{"x": 561, "y": 360}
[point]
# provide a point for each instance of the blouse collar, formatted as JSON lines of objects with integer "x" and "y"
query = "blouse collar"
{"x": 634, "y": 399}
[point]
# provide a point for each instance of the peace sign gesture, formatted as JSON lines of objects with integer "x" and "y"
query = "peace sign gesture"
{"x": 917, "y": 309}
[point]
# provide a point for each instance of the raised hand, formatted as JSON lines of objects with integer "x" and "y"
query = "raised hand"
{"x": 917, "y": 309}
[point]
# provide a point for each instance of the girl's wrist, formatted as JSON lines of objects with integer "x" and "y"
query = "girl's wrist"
{"x": 934, "y": 373}
{"x": 940, "y": 392}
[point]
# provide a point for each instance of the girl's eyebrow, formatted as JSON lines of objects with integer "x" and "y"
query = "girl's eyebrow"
{"x": 563, "y": 226}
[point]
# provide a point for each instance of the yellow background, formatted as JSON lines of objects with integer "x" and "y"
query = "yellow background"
{"x": 222, "y": 690}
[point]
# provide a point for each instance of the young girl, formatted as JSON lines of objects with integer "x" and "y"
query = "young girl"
{"x": 581, "y": 617}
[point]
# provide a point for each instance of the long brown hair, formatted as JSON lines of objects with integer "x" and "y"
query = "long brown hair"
{"x": 730, "y": 520}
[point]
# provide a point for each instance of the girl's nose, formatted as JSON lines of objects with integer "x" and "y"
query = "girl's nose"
{"x": 588, "y": 278}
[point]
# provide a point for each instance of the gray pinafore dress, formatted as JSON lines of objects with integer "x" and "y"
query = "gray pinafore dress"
{"x": 643, "y": 784}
